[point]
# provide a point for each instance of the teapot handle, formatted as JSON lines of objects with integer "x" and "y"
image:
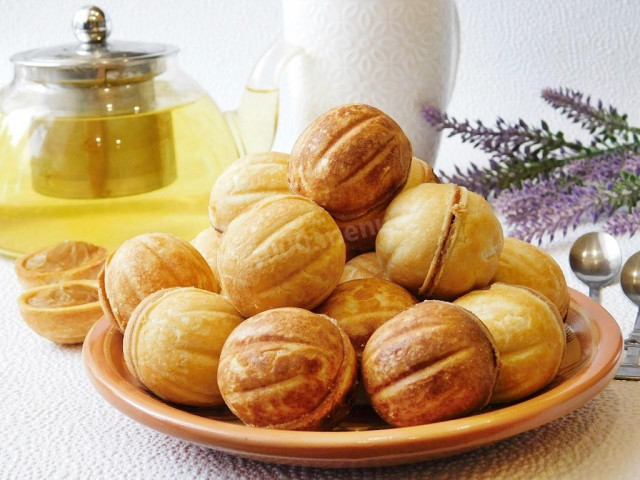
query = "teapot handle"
{"x": 254, "y": 123}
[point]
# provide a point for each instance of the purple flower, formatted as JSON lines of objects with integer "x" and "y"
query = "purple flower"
{"x": 474, "y": 179}
{"x": 578, "y": 108}
{"x": 433, "y": 116}
{"x": 632, "y": 164}
{"x": 542, "y": 182}
{"x": 505, "y": 139}
{"x": 624, "y": 222}
{"x": 543, "y": 207}
{"x": 600, "y": 169}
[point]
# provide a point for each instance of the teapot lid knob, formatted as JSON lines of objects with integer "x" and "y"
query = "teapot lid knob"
{"x": 91, "y": 25}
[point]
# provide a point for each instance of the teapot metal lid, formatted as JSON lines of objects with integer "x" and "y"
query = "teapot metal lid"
{"x": 93, "y": 61}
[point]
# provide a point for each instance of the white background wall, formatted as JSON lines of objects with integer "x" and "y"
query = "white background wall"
{"x": 511, "y": 49}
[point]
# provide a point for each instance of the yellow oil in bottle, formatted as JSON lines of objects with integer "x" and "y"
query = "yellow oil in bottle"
{"x": 256, "y": 119}
{"x": 56, "y": 185}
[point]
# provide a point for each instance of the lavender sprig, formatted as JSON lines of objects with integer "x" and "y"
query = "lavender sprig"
{"x": 555, "y": 208}
{"x": 518, "y": 151}
{"x": 543, "y": 182}
{"x": 504, "y": 139}
{"x": 609, "y": 129}
{"x": 578, "y": 108}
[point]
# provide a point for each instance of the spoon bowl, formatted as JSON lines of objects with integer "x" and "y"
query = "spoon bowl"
{"x": 595, "y": 259}
{"x": 630, "y": 282}
{"x": 630, "y": 278}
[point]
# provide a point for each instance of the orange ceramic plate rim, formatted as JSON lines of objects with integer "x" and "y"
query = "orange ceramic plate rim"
{"x": 370, "y": 447}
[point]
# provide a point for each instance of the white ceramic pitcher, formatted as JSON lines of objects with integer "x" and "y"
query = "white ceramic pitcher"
{"x": 397, "y": 55}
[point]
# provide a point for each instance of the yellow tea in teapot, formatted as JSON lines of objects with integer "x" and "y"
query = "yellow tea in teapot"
{"x": 76, "y": 157}
{"x": 106, "y": 179}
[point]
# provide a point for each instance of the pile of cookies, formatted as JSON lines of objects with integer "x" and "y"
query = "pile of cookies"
{"x": 433, "y": 316}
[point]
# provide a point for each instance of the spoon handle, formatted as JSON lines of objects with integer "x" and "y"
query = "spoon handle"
{"x": 629, "y": 369}
{"x": 636, "y": 326}
{"x": 594, "y": 293}
{"x": 632, "y": 347}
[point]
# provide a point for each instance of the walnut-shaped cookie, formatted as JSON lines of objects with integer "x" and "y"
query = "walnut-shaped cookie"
{"x": 528, "y": 332}
{"x": 244, "y": 182}
{"x": 439, "y": 241}
{"x": 69, "y": 260}
{"x": 432, "y": 362}
{"x": 365, "y": 265}
{"x": 351, "y": 161}
{"x": 145, "y": 264}
{"x": 420, "y": 172}
{"x": 521, "y": 263}
{"x": 288, "y": 369}
{"x": 284, "y": 251}
{"x": 361, "y": 306}
{"x": 173, "y": 341}
{"x": 207, "y": 242}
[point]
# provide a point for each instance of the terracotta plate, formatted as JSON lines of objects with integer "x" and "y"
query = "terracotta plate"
{"x": 591, "y": 358}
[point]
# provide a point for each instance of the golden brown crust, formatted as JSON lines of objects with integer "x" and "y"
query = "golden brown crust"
{"x": 284, "y": 251}
{"x": 529, "y": 333}
{"x": 207, "y": 242}
{"x": 69, "y": 260}
{"x": 365, "y": 265}
{"x": 522, "y": 263}
{"x": 173, "y": 341}
{"x": 145, "y": 264}
{"x": 361, "y": 306}
{"x": 351, "y": 160}
{"x": 288, "y": 369}
{"x": 431, "y": 362}
{"x": 246, "y": 181}
{"x": 420, "y": 172}
{"x": 62, "y": 312}
{"x": 439, "y": 241}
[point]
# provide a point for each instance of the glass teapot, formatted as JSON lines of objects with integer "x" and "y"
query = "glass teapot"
{"x": 101, "y": 141}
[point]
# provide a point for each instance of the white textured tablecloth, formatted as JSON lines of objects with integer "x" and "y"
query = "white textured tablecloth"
{"x": 53, "y": 424}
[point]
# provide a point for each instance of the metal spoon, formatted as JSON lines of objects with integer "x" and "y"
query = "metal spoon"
{"x": 595, "y": 259}
{"x": 630, "y": 282}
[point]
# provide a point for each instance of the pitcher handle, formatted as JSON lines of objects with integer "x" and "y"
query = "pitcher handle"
{"x": 456, "y": 60}
{"x": 254, "y": 124}
{"x": 266, "y": 74}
